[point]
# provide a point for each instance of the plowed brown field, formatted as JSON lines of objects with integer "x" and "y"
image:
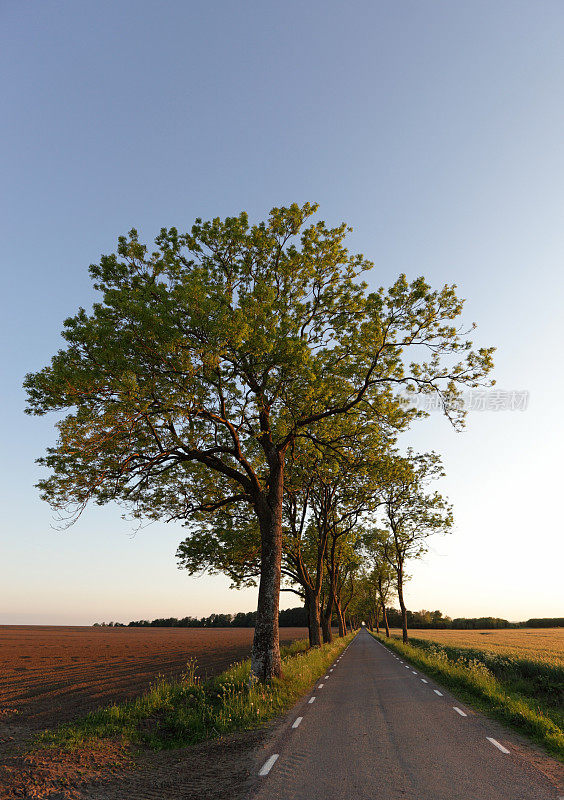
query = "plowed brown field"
{"x": 49, "y": 675}
{"x": 53, "y": 674}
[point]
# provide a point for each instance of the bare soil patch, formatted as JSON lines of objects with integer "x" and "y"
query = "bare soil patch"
{"x": 215, "y": 770}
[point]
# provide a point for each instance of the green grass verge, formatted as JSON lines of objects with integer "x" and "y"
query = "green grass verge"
{"x": 525, "y": 695}
{"x": 176, "y": 713}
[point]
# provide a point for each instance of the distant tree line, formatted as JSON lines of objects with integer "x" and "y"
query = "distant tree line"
{"x": 436, "y": 620}
{"x": 297, "y": 618}
{"x": 288, "y": 618}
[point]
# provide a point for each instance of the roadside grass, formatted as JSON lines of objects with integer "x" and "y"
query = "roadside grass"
{"x": 188, "y": 710}
{"x": 524, "y": 694}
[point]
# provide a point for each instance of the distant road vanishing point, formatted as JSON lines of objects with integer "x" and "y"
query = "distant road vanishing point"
{"x": 380, "y": 730}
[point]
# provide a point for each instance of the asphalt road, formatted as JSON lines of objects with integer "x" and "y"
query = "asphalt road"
{"x": 376, "y": 730}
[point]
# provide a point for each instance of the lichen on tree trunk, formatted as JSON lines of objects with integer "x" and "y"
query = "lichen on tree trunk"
{"x": 312, "y": 604}
{"x": 326, "y": 618}
{"x": 265, "y": 655}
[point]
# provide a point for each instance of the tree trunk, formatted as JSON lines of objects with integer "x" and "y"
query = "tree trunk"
{"x": 312, "y": 605}
{"x": 378, "y": 619}
{"x": 341, "y": 619}
{"x": 326, "y": 630}
{"x": 306, "y": 606}
{"x": 265, "y": 655}
{"x": 326, "y": 620}
{"x": 385, "y": 615}
{"x": 402, "y": 606}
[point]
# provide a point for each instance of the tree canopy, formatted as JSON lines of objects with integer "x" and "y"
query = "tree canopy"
{"x": 207, "y": 358}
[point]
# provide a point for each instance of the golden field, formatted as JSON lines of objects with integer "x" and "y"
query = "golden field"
{"x": 534, "y": 644}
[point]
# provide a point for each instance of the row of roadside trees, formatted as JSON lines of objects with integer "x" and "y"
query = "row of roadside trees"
{"x": 350, "y": 525}
{"x": 245, "y": 381}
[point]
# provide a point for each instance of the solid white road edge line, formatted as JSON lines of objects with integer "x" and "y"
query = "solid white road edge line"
{"x": 437, "y": 692}
{"x": 311, "y": 700}
{"x": 460, "y": 711}
{"x": 297, "y": 722}
{"x": 497, "y": 744}
{"x": 267, "y": 766}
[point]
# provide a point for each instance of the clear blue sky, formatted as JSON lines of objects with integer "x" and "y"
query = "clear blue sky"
{"x": 435, "y": 128}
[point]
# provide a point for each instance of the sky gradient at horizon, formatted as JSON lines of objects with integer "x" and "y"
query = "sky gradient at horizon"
{"x": 435, "y": 129}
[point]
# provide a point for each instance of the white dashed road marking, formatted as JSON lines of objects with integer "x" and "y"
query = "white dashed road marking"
{"x": 437, "y": 692}
{"x": 267, "y": 766}
{"x": 311, "y": 700}
{"x": 497, "y": 744}
{"x": 459, "y": 711}
{"x": 424, "y": 681}
{"x": 297, "y": 722}
{"x": 321, "y": 685}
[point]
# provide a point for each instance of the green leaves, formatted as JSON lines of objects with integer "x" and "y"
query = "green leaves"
{"x": 412, "y": 513}
{"x": 221, "y": 347}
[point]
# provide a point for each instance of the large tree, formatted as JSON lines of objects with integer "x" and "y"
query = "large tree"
{"x": 412, "y": 514}
{"x": 185, "y": 387}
